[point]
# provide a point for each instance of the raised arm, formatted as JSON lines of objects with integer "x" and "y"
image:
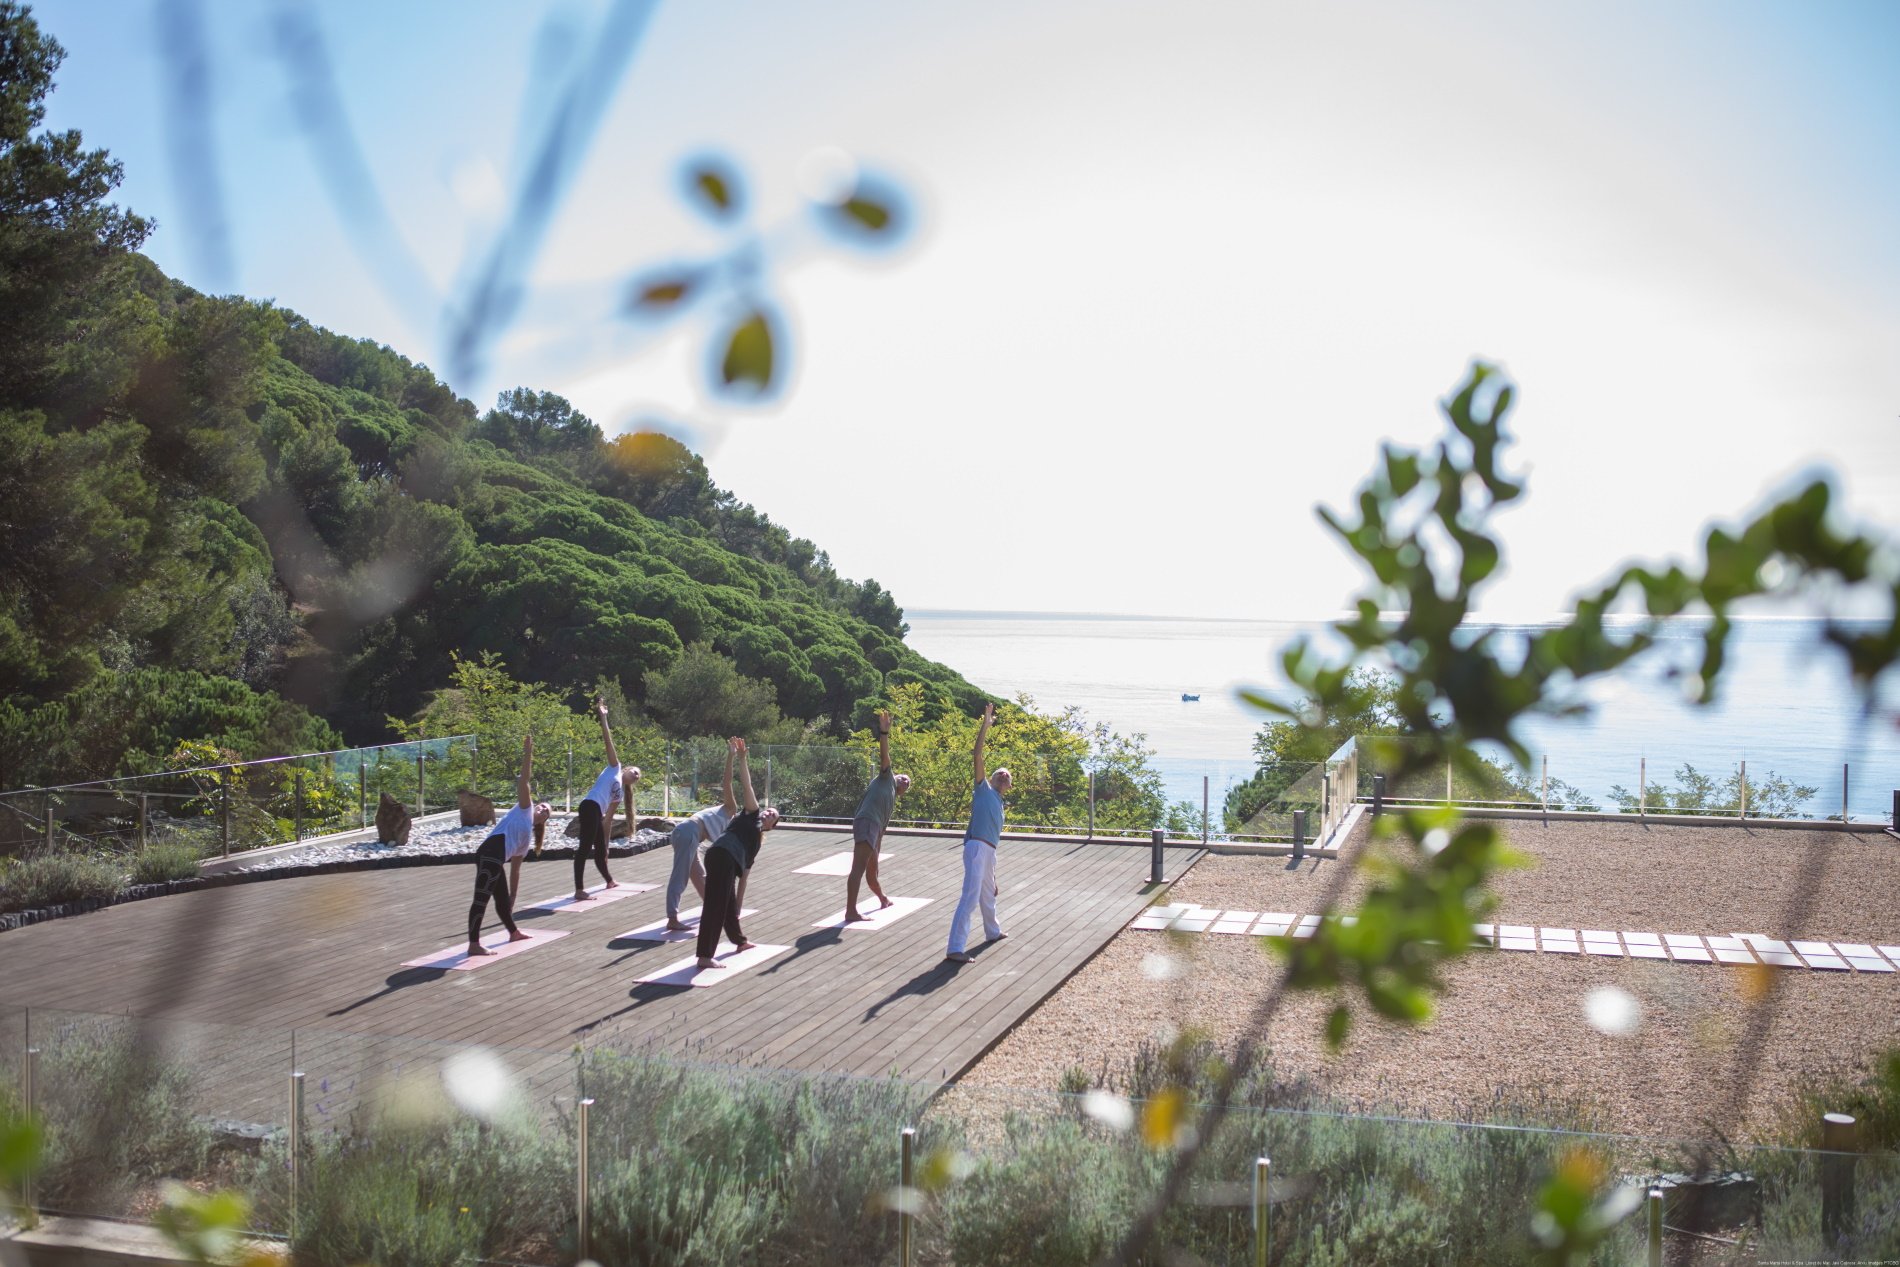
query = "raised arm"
{"x": 606, "y": 731}
{"x": 732, "y": 752}
{"x": 982, "y": 737}
{"x": 745, "y": 782}
{"x": 883, "y": 741}
{"x": 523, "y": 795}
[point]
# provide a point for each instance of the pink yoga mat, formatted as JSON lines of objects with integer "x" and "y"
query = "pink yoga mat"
{"x": 595, "y": 897}
{"x": 876, "y": 918}
{"x": 656, "y": 931}
{"x": 687, "y": 971}
{"x": 456, "y": 957}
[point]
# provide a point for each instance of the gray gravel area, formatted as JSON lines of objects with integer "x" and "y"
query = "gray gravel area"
{"x": 1512, "y": 1026}
{"x": 439, "y": 840}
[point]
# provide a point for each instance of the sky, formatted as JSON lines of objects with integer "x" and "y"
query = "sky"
{"x": 1175, "y": 271}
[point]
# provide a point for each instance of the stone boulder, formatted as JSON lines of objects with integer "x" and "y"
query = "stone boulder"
{"x": 392, "y": 821}
{"x": 477, "y": 811}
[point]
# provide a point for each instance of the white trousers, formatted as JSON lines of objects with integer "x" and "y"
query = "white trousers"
{"x": 979, "y": 890}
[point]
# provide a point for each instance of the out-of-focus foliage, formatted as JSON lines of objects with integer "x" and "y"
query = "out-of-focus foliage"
{"x": 222, "y": 519}
{"x": 1422, "y": 529}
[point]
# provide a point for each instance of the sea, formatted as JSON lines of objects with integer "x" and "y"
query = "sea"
{"x": 1787, "y": 706}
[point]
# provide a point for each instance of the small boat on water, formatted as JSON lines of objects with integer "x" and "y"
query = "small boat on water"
{"x": 1189, "y": 699}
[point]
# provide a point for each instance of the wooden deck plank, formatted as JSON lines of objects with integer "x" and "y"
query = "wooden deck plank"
{"x": 321, "y": 956}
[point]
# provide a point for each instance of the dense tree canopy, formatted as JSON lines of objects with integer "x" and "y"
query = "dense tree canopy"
{"x": 212, "y": 495}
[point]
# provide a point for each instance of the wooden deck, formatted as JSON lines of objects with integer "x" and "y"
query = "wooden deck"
{"x": 239, "y": 978}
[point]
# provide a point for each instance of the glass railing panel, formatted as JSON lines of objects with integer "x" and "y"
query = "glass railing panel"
{"x": 128, "y": 1104}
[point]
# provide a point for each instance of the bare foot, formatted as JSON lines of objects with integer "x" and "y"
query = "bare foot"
{"x": 998, "y": 937}
{"x": 852, "y": 917}
{"x": 475, "y": 951}
{"x": 959, "y": 957}
{"x": 882, "y": 901}
{"x": 710, "y": 963}
{"x": 613, "y": 884}
{"x": 518, "y": 935}
{"x": 747, "y": 945}
{"x": 580, "y": 895}
{"x": 674, "y": 926}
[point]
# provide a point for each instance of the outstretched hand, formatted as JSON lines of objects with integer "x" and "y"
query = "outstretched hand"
{"x": 735, "y": 745}
{"x": 600, "y": 706}
{"x": 883, "y": 721}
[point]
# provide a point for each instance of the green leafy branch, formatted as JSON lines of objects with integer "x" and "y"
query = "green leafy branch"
{"x": 1423, "y": 532}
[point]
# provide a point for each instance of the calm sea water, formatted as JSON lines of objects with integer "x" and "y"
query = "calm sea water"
{"x": 1787, "y": 707}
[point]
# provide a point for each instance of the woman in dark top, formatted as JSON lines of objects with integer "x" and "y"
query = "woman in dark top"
{"x": 728, "y": 860}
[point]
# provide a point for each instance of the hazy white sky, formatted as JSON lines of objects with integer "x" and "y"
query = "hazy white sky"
{"x": 1179, "y": 267}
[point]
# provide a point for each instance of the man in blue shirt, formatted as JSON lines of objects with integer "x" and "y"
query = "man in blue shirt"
{"x": 979, "y": 850}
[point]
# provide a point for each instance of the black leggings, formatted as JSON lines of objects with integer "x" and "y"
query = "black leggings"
{"x": 722, "y": 903}
{"x": 593, "y": 843}
{"x": 491, "y": 880}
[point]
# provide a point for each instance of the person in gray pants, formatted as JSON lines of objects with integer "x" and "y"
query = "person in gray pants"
{"x": 873, "y": 818}
{"x": 705, "y": 826}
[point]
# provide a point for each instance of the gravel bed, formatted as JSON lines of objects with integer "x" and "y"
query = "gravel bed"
{"x": 435, "y": 840}
{"x": 1511, "y": 1027}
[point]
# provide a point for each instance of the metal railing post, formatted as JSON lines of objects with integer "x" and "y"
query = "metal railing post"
{"x": 420, "y": 758}
{"x": 567, "y": 788}
{"x": 1203, "y": 809}
{"x": 1378, "y": 795}
{"x": 1543, "y": 793}
{"x": 1447, "y": 780}
{"x": 362, "y": 792}
{"x": 666, "y": 780}
{"x": 1154, "y": 855}
{"x": 1299, "y": 834}
{"x": 907, "y": 1139}
{"x": 1840, "y": 1137}
{"x": 1744, "y": 789}
{"x": 768, "y": 778}
{"x": 295, "y": 1135}
{"x": 46, "y": 804}
{"x": 1843, "y": 793}
{"x": 29, "y": 1195}
{"x": 692, "y": 781}
{"x": 224, "y": 811}
{"x": 1655, "y": 1227}
{"x": 1091, "y": 835}
{"x": 145, "y": 819}
{"x": 1642, "y": 786}
{"x": 583, "y": 1217}
{"x": 296, "y": 810}
{"x": 1260, "y": 1206}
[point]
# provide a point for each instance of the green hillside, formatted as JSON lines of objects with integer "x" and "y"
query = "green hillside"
{"x": 219, "y": 521}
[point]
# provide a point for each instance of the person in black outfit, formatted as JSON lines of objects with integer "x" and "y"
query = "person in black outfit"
{"x": 514, "y": 832}
{"x": 728, "y": 860}
{"x": 614, "y": 787}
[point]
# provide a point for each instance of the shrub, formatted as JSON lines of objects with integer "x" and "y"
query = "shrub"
{"x": 424, "y": 1195}
{"x": 170, "y": 860}
{"x": 707, "y": 1165}
{"x": 49, "y": 879}
{"x": 117, "y": 1115}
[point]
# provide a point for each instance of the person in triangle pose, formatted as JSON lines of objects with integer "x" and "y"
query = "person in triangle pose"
{"x": 728, "y": 861}
{"x": 873, "y": 818}
{"x": 614, "y": 787}
{"x": 979, "y": 850}
{"x": 514, "y": 832}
